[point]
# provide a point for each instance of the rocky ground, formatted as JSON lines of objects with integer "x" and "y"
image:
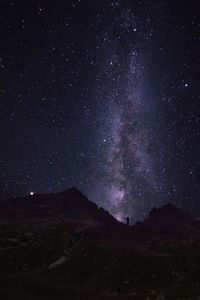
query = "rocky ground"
{"x": 98, "y": 258}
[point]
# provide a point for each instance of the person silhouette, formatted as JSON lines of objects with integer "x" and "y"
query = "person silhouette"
{"x": 127, "y": 220}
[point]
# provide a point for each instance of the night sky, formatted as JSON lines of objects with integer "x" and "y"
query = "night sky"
{"x": 104, "y": 96}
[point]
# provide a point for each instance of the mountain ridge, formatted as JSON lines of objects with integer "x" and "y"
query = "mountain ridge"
{"x": 67, "y": 205}
{"x": 82, "y": 250}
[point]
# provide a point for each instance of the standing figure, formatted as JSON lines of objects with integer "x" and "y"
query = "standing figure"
{"x": 127, "y": 220}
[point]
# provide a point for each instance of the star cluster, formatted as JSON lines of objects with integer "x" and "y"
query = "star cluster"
{"x": 103, "y": 96}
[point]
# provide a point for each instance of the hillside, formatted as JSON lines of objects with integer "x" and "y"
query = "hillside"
{"x": 62, "y": 245}
{"x": 67, "y": 206}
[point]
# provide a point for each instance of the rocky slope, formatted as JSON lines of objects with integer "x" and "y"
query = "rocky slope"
{"x": 62, "y": 245}
{"x": 67, "y": 206}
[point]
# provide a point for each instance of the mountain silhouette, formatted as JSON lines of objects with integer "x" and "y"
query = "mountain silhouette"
{"x": 167, "y": 219}
{"x": 69, "y": 205}
{"x": 63, "y": 245}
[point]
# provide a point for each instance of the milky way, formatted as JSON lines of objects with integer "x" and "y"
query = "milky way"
{"x": 131, "y": 186}
{"x": 103, "y": 96}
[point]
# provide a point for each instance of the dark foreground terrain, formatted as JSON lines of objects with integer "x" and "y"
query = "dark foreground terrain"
{"x": 62, "y": 246}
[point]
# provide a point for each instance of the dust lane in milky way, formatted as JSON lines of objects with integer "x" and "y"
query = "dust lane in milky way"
{"x": 130, "y": 185}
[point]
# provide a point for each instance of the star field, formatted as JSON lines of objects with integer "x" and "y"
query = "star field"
{"x": 104, "y": 96}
